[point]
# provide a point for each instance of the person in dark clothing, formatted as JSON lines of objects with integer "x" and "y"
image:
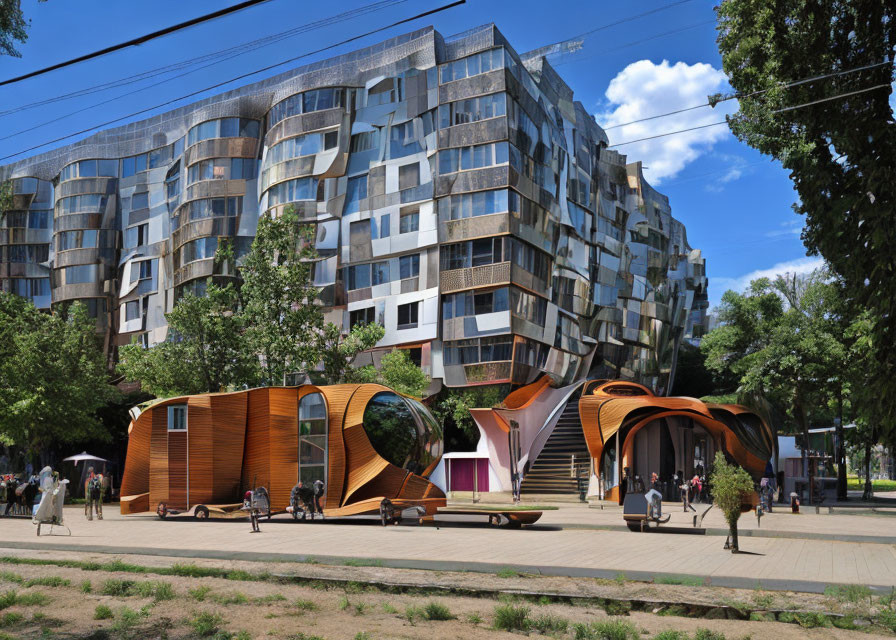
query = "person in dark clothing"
{"x": 318, "y": 489}
{"x": 626, "y": 480}
{"x": 302, "y": 500}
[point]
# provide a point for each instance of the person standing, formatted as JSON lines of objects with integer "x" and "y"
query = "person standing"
{"x": 318, "y": 487}
{"x": 93, "y": 492}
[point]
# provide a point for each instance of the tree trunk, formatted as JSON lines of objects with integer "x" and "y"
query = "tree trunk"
{"x": 732, "y": 527}
{"x": 867, "y": 494}
{"x": 841, "y": 448}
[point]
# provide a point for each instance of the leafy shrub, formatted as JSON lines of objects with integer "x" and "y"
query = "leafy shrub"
{"x": 115, "y": 587}
{"x": 86, "y": 587}
{"x": 606, "y": 630}
{"x": 511, "y": 618}
{"x": 671, "y": 634}
{"x": 437, "y": 611}
{"x": 102, "y": 612}
{"x": 11, "y": 618}
{"x": 125, "y": 621}
{"x": 199, "y": 593}
{"x": 549, "y": 624}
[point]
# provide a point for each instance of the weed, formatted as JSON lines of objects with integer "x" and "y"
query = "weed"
{"x": 707, "y": 634}
{"x": 846, "y": 622}
{"x": 671, "y": 634}
{"x": 343, "y": 603}
{"x": 86, "y": 587}
{"x": 474, "y": 618}
{"x": 511, "y": 618}
{"x": 887, "y": 618}
{"x": 617, "y": 607}
{"x": 307, "y": 605}
{"x": 688, "y": 581}
{"x": 270, "y": 599}
{"x": 763, "y": 600}
{"x": 206, "y": 624}
{"x": 363, "y": 562}
{"x": 359, "y": 608}
{"x": 9, "y": 576}
{"x": 853, "y": 593}
{"x": 115, "y": 587}
{"x": 302, "y": 636}
{"x": 362, "y": 635}
{"x": 606, "y": 630}
{"x": 48, "y": 581}
{"x": 437, "y": 611}
{"x": 34, "y": 599}
{"x": 812, "y": 620}
{"x": 158, "y": 591}
{"x": 388, "y": 608}
{"x": 549, "y": 624}
{"x": 674, "y": 610}
{"x": 7, "y": 599}
{"x": 620, "y": 578}
{"x": 507, "y": 572}
{"x": 239, "y": 574}
{"x": 412, "y": 614}
{"x": 125, "y": 620}
{"x": 102, "y": 612}
{"x": 199, "y": 593}
{"x": 230, "y": 598}
{"x": 11, "y": 618}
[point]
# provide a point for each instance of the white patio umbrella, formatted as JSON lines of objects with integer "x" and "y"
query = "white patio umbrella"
{"x": 82, "y": 457}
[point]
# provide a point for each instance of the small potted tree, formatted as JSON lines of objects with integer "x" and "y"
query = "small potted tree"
{"x": 729, "y": 485}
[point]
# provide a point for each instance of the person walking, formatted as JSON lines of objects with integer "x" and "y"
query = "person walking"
{"x": 93, "y": 492}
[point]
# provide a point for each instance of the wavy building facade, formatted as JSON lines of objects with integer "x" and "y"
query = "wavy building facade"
{"x": 462, "y": 198}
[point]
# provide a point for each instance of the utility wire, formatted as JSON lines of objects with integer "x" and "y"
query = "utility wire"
{"x": 737, "y": 96}
{"x": 220, "y": 55}
{"x": 130, "y": 93}
{"x": 240, "y": 77}
{"x": 715, "y": 124}
{"x": 137, "y": 41}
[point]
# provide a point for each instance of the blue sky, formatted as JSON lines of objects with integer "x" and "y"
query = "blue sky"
{"x": 735, "y": 203}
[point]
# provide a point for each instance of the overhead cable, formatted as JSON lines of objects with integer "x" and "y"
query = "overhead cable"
{"x": 136, "y": 41}
{"x": 239, "y": 77}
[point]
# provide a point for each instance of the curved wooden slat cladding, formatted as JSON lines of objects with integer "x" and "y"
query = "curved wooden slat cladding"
{"x": 235, "y": 440}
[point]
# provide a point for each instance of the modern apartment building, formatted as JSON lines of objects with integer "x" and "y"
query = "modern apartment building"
{"x": 462, "y": 198}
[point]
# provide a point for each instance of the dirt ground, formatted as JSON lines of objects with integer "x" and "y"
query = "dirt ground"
{"x": 362, "y": 602}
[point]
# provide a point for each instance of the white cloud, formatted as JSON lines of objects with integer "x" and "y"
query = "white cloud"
{"x": 791, "y": 228}
{"x": 800, "y": 266}
{"x": 644, "y": 89}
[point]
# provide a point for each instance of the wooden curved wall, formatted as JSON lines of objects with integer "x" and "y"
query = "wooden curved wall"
{"x": 235, "y": 440}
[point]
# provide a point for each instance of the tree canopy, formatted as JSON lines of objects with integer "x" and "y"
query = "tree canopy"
{"x": 834, "y": 131}
{"x": 53, "y": 376}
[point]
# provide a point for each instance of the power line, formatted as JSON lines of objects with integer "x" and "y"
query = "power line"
{"x": 219, "y": 56}
{"x": 545, "y": 50}
{"x": 343, "y": 16}
{"x": 240, "y": 77}
{"x": 715, "y": 124}
{"x": 738, "y": 96}
{"x": 139, "y": 40}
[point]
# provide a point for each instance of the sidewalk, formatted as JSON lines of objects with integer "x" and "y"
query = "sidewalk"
{"x": 775, "y": 563}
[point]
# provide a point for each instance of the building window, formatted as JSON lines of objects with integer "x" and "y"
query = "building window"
{"x": 409, "y": 266}
{"x": 472, "y": 110}
{"x": 358, "y": 276}
{"x": 380, "y": 272}
{"x": 136, "y": 236}
{"x": 177, "y": 417}
{"x": 407, "y": 315}
{"x": 361, "y": 316}
{"x": 385, "y": 224}
{"x": 475, "y": 157}
{"x": 365, "y": 141}
{"x": 355, "y": 191}
{"x": 132, "y": 310}
{"x": 409, "y": 220}
{"x": 408, "y": 176}
{"x": 472, "y": 65}
{"x": 312, "y": 439}
{"x": 468, "y": 205}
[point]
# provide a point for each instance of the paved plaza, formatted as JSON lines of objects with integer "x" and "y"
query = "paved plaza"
{"x": 573, "y": 541}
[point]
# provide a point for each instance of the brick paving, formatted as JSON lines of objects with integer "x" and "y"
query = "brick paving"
{"x": 566, "y": 544}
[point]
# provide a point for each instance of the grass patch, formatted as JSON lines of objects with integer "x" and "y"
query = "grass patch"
{"x": 230, "y": 598}
{"x": 707, "y": 634}
{"x": 47, "y": 581}
{"x": 852, "y": 593}
{"x": 388, "y": 608}
{"x": 620, "y": 578}
{"x": 474, "y": 618}
{"x": 507, "y": 572}
{"x": 85, "y": 586}
{"x": 343, "y": 603}
{"x": 671, "y": 634}
{"x": 858, "y": 484}
{"x": 156, "y": 590}
{"x": 362, "y": 635}
{"x": 125, "y": 621}
{"x": 763, "y": 600}
{"x": 206, "y": 624}
{"x": 269, "y": 599}
{"x": 511, "y": 618}
{"x": 11, "y": 618}
{"x": 412, "y": 614}
{"x": 363, "y": 562}
{"x": 102, "y": 612}
{"x": 307, "y": 605}
{"x": 437, "y": 611}
{"x": 606, "y": 630}
{"x": 359, "y": 607}
{"x": 688, "y": 581}
{"x": 548, "y": 624}
{"x": 199, "y": 593}
{"x": 9, "y": 576}
{"x": 33, "y": 599}
{"x": 886, "y": 619}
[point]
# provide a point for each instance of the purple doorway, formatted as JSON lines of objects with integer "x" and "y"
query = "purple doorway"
{"x": 461, "y": 470}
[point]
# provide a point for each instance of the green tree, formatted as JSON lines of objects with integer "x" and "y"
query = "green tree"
{"x": 399, "y": 372}
{"x": 205, "y": 351}
{"x": 53, "y": 376}
{"x": 13, "y": 27}
{"x": 453, "y": 406}
{"x": 282, "y": 318}
{"x": 338, "y": 350}
{"x": 835, "y": 135}
{"x": 730, "y": 486}
{"x": 778, "y": 342}
{"x": 692, "y": 378}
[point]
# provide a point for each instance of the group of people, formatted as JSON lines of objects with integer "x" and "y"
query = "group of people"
{"x": 305, "y": 501}
{"x": 19, "y": 496}
{"x": 693, "y": 490}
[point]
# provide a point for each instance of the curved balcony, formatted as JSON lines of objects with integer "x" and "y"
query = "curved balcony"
{"x": 220, "y": 148}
